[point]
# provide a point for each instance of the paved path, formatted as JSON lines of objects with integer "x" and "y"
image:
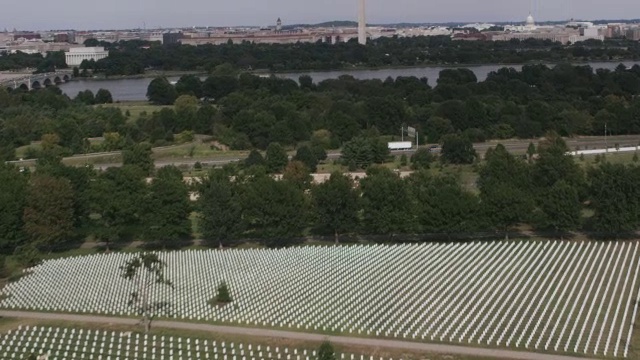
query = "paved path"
{"x": 373, "y": 343}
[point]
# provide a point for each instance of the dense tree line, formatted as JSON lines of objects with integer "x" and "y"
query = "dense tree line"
{"x": 548, "y": 194}
{"x": 249, "y": 112}
{"x": 56, "y": 205}
{"x": 129, "y": 58}
{"x": 41, "y": 64}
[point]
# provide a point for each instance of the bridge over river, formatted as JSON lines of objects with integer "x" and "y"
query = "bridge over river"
{"x": 34, "y": 81}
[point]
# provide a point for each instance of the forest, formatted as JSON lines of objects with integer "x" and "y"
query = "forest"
{"x": 249, "y": 112}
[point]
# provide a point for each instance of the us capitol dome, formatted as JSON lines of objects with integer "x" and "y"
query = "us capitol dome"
{"x": 530, "y": 22}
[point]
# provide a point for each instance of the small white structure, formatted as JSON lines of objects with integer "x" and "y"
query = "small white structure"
{"x": 404, "y": 145}
{"x": 75, "y": 56}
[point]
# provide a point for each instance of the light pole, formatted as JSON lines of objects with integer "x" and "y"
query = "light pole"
{"x": 606, "y": 146}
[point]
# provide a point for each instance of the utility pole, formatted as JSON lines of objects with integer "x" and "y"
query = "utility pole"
{"x": 606, "y": 146}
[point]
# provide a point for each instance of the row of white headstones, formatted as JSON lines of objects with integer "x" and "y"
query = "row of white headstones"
{"x": 54, "y": 343}
{"x": 578, "y": 297}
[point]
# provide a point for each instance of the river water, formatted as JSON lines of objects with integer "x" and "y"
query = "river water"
{"x": 136, "y": 89}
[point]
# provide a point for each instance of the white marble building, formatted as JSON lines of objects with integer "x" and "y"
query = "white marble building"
{"x": 75, "y": 56}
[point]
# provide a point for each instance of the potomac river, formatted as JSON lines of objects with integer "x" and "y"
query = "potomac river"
{"x": 136, "y": 89}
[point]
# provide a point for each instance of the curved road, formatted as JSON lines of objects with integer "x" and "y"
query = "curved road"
{"x": 374, "y": 343}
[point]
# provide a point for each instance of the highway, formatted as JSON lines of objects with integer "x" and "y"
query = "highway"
{"x": 514, "y": 146}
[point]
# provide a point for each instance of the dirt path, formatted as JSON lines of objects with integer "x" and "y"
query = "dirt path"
{"x": 390, "y": 344}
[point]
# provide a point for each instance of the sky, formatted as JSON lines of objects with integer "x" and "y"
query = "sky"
{"x": 121, "y": 14}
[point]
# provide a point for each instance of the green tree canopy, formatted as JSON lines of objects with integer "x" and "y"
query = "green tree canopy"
{"x": 168, "y": 207}
{"x": 307, "y": 156}
{"x": 139, "y": 155}
{"x": 13, "y": 193}
{"x": 335, "y": 204}
{"x": 457, "y": 150}
{"x": 161, "y": 92}
{"x": 560, "y": 208}
{"x": 615, "y": 198}
{"x": 220, "y": 209}
{"x": 442, "y": 205}
{"x": 273, "y": 210}
{"x": 116, "y": 201}
{"x": 386, "y": 207}
{"x": 103, "y": 96}
{"x": 277, "y": 158}
{"x": 364, "y": 152}
{"x": 48, "y": 213}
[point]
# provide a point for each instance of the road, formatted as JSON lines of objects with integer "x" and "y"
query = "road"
{"x": 301, "y": 336}
{"x": 514, "y": 146}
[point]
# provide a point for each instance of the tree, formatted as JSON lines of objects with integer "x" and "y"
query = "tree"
{"x": 166, "y": 219}
{"x": 48, "y": 214}
{"x": 186, "y": 104}
{"x": 326, "y": 352}
{"x": 442, "y": 205}
{"x": 615, "y": 198}
{"x": 297, "y": 174}
{"x": 560, "y": 208}
{"x": 363, "y": 152}
{"x": 224, "y": 295}
{"x": 254, "y": 159}
{"x": 335, "y": 203}
{"x": 554, "y": 163}
{"x": 505, "y": 206}
{"x": 116, "y": 198}
{"x": 189, "y": 85}
{"x": 273, "y": 210}
{"x": 145, "y": 270}
{"x": 220, "y": 209}
{"x": 385, "y": 202}
{"x": 86, "y": 97}
{"x": 505, "y": 190}
{"x": 139, "y": 155}
{"x": 422, "y": 159}
{"x": 307, "y": 156}
{"x": 13, "y": 193}
{"x": 161, "y": 92}
{"x": 458, "y": 150}
{"x": 531, "y": 151}
{"x": 276, "y": 158}
{"x": 103, "y": 96}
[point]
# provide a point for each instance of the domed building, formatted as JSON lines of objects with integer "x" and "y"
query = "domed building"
{"x": 530, "y": 23}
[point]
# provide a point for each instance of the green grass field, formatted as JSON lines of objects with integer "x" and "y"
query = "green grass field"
{"x": 136, "y": 108}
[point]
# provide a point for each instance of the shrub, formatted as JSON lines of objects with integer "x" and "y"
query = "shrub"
{"x": 224, "y": 296}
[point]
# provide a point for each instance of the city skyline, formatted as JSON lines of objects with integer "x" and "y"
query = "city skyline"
{"x": 121, "y": 14}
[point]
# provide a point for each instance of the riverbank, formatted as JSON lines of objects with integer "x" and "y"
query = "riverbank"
{"x": 443, "y": 65}
{"x": 148, "y": 75}
{"x": 153, "y": 74}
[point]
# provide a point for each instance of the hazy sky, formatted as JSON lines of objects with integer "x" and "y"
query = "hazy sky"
{"x": 108, "y": 14}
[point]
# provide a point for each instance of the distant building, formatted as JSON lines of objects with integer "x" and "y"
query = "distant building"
{"x": 75, "y": 56}
{"x": 26, "y": 36}
{"x": 279, "y": 25}
{"x": 171, "y": 38}
{"x": 634, "y": 34}
{"x": 61, "y": 37}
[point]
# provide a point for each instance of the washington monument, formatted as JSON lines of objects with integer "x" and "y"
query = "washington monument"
{"x": 362, "y": 23}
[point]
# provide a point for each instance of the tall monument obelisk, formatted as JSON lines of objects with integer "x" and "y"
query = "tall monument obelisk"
{"x": 362, "y": 23}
